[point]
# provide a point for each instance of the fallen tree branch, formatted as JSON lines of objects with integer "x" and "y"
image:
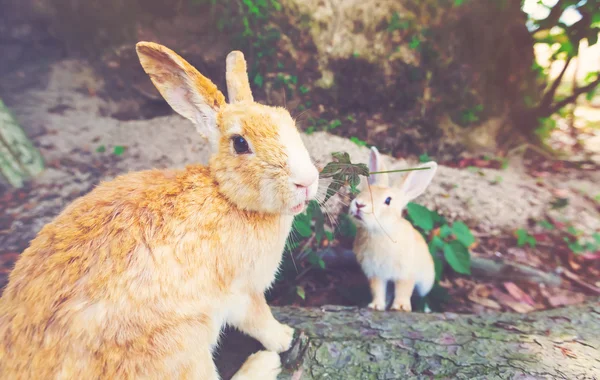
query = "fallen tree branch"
{"x": 351, "y": 343}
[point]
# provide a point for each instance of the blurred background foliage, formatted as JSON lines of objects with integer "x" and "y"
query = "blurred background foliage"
{"x": 462, "y": 73}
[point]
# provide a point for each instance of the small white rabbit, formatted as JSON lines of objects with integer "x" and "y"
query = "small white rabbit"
{"x": 387, "y": 246}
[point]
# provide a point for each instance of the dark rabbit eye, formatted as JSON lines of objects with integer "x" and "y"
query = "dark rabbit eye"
{"x": 240, "y": 145}
{"x": 388, "y": 200}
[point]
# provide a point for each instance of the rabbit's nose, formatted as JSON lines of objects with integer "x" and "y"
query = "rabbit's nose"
{"x": 307, "y": 180}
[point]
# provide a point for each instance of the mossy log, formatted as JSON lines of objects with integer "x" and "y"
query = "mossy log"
{"x": 350, "y": 343}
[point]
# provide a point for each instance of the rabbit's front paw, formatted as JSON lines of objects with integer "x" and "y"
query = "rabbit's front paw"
{"x": 376, "y": 306}
{"x": 402, "y": 305}
{"x": 279, "y": 338}
{"x": 263, "y": 365}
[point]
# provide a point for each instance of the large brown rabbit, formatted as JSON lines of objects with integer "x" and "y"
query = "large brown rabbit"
{"x": 137, "y": 278}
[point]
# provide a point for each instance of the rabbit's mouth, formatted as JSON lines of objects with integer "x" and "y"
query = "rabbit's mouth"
{"x": 299, "y": 208}
{"x": 356, "y": 215}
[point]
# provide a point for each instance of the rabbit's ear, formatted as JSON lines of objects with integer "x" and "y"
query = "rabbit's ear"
{"x": 417, "y": 181}
{"x": 238, "y": 86}
{"x": 376, "y": 165}
{"x": 188, "y": 92}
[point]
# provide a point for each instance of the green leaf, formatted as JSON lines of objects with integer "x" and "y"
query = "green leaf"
{"x": 101, "y": 149}
{"x": 302, "y": 227}
{"x": 341, "y": 157}
{"x": 521, "y": 237}
{"x": 303, "y": 89}
{"x": 445, "y": 231}
{"x": 329, "y": 235}
{"x": 258, "y": 80}
{"x": 437, "y": 218}
{"x": 546, "y": 225}
{"x": 300, "y": 292}
{"x": 439, "y": 268}
{"x": 576, "y": 247}
{"x": 424, "y": 158}
{"x": 463, "y": 234}
{"x": 319, "y": 221}
{"x": 420, "y": 216}
{"x": 457, "y": 255}
{"x": 335, "y": 123}
{"x": 342, "y": 170}
{"x": 315, "y": 260}
{"x": 593, "y": 36}
{"x": 347, "y": 228}
{"x": 596, "y": 236}
{"x": 358, "y": 141}
{"x": 436, "y": 244}
{"x": 118, "y": 150}
{"x": 414, "y": 43}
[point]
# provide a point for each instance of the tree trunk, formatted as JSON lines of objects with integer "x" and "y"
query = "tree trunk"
{"x": 19, "y": 159}
{"x": 349, "y": 343}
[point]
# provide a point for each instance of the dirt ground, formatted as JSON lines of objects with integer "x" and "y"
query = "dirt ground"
{"x": 92, "y": 124}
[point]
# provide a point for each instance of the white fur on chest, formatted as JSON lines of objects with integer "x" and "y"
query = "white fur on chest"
{"x": 389, "y": 257}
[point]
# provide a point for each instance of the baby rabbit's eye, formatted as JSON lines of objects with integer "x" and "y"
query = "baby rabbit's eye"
{"x": 240, "y": 145}
{"x": 388, "y": 200}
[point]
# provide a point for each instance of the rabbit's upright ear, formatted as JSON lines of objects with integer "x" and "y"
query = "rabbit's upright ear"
{"x": 417, "y": 181}
{"x": 376, "y": 165}
{"x": 238, "y": 86}
{"x": 188, "y": 92}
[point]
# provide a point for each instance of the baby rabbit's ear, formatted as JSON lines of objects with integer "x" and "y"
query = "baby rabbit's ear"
{"x": 417, "y": 181}
{"x": 188, "y": 92}
{"x": 238, "y": 86}
{"x": 376, "y": 165}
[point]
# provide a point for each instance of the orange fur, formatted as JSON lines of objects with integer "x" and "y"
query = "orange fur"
{"x": 137, "y": 278}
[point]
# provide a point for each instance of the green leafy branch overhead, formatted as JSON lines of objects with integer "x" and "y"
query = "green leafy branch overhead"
{"x": 553, "y": 31}
{"x": 343, "y": 171}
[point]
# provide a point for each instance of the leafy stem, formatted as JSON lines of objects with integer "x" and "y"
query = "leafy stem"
{"x": 398, "y": 171}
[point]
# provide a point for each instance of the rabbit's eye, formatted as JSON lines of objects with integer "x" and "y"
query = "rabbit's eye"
{"x": 240, "y": 145}
{"x": 388, "y": 200}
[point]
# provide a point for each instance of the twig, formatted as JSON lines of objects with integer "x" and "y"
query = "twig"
{"x": 398, "y": 171}
{"x": 549, "y": 95}
{"x": 575, "y": 278}
{"x": 570, "y": 99}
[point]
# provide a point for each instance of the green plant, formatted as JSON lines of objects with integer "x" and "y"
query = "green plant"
{"x": 358, "y": 141}
{"x": 471, "y": 115}
{"x": 579, "y": 244}
{"x": 546, "y": 225}
{"x": 452, "y": 240}
{"x": 424, "y": 158}
{"x": 118, "y": 150}
{"x": 523, "y": 237}
{"x": 396, "y": 23}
